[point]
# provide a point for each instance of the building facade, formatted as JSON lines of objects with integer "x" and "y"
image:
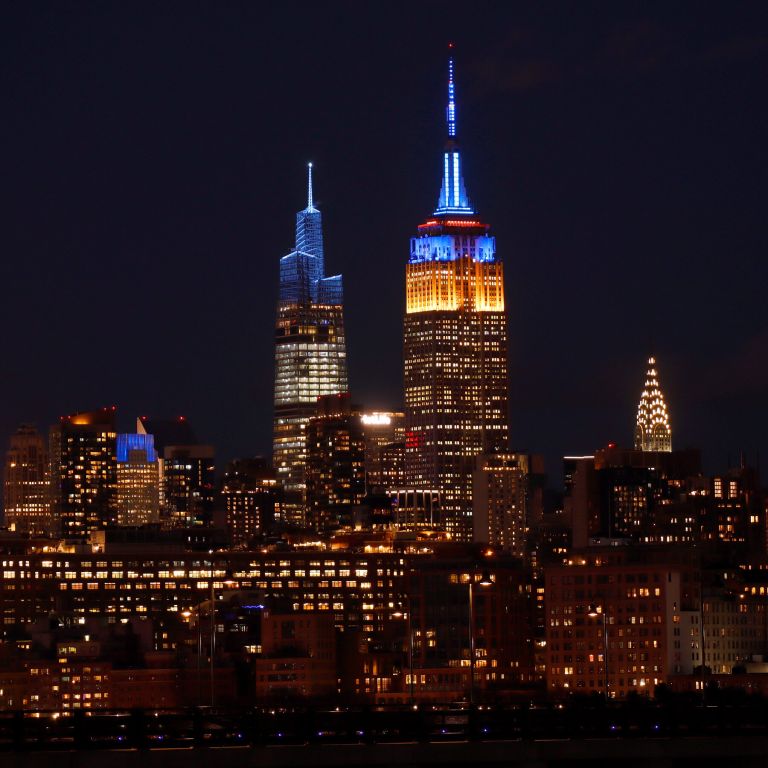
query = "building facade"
{"x": 83, "y": 455}
{"x": 455, "y": 345}
{"x": 310, "y": 353}
{"x": 187, "y": 471}
{"x": 138, "y": 480}
{"x": 252, "y": 498}
{"x": 26, "y": 490}
{"x": 500, "y": 496}
{"x": 335, "y": 462}
{"x": 384, "y": 433}
{"x": 620, "y": 622}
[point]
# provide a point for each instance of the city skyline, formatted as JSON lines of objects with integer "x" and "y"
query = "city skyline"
{"x": 579, "y": 237}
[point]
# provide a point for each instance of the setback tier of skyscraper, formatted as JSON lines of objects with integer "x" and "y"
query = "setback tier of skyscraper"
{"x": 455, "y": 345}
{"x": 310, "y": 353}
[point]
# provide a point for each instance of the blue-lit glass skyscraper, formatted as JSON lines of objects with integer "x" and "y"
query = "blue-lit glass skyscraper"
{"x": 310, "y": 352}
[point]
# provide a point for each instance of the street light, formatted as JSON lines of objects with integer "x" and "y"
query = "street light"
{"x": 593, "y": 612}
{"x": 485, "y": 581}
{"x": 228, "y": 581}
{"x": 399, "y": 615}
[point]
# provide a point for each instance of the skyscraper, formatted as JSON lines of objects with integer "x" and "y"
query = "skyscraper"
{"x": 384, "y": 433}
{"x": 335, "y": 462}
{"x": 84, "y": 471}
{"x": 26, "y": 499}
{"x": 500, "y": 496}
{"x": 652, "y": 429}
{"x": 455, "y": 345}
{"x": 187, "y": 472}
{"x": 138, "y": 480}
{"x": 251, "y": 497}
{"x": 310, "y": 352}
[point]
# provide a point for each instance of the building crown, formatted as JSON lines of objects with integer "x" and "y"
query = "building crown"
{"x": 652, "y": 428}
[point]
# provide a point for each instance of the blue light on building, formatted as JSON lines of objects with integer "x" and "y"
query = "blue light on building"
{"x": 309, "y": 229}
{"x": 302, "y": 271}
{"x": 310, "y": 351}
{"x": 135, "y": 442}
{"x": 453, "y": 195}
{"x": 454, "y": 232}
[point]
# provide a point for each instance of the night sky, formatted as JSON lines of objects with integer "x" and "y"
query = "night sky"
{"x": 153, "y": 159}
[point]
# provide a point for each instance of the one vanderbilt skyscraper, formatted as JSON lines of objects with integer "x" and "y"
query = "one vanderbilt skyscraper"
{"x": 310, "y": 352}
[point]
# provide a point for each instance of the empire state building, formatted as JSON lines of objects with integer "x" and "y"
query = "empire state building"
{"x": 455, "y": 344}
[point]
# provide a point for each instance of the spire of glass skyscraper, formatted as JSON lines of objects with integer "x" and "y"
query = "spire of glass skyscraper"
{"x": 310, "y": 351}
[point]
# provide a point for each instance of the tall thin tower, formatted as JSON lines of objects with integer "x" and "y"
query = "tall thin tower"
{"x": 310, "y": 352}
{"x": 455, "y": 344}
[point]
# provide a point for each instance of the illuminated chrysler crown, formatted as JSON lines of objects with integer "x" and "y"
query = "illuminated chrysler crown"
{"x": 652, "y": 430}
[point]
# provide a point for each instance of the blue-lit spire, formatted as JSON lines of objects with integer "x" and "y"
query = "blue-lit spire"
{"x": 453, "y": 195}
{"x": 450, "y": 112}
{"x": 309, "y": 229}
{"x": 310, "y": 205}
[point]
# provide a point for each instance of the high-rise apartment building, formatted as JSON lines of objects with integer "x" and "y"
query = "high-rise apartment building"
{"x": 335, "y": 462}
{"x": 252, "y": 497}
{"x": 26, "y": 498}
{"x": 138, "y": 480}
{"x": 83, "y": 454}
{"x": 455, "y": 345}
{"x": 500, "y": 500}
{"x": 652, "y": 429}
{"x": 187, "y": 472}
{"x": 384, "y": 434}
{"x": 310, "y": 352}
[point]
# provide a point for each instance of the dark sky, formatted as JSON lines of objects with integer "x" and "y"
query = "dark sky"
{"x": 153, "y": 158}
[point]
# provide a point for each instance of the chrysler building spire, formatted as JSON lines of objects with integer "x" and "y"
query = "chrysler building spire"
{"x": 652, "y": 430}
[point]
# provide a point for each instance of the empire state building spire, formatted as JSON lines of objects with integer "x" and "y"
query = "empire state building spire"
{"x": 652, "y": 430}
{"x": 453, "y": 195}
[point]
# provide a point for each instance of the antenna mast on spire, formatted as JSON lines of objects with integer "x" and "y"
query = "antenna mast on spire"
{"x": 310, "y": 205}
{"x": 453, "y": 196}
{"x": 451, "y": 111}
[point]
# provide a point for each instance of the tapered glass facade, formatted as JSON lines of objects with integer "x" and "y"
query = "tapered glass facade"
{"x": 310, "y": 353}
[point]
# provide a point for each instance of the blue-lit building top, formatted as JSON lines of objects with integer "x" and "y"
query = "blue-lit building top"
{"x": 453, "y": 195}
{"x": 454, "y": 231}
{"x": 302, "y": 271}
{"x": 135, "y": 442}
{"x": 309, "y": 228}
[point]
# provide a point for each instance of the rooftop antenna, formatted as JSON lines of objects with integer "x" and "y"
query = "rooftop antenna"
{"x": 310, "y": 205}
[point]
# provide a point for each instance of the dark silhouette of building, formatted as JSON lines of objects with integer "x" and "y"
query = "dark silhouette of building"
{"x": 251, "y": 496}
{"x": 26, "y": 497}
{"x": 335, "y": 462}
{"x": 84, "y": 472}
